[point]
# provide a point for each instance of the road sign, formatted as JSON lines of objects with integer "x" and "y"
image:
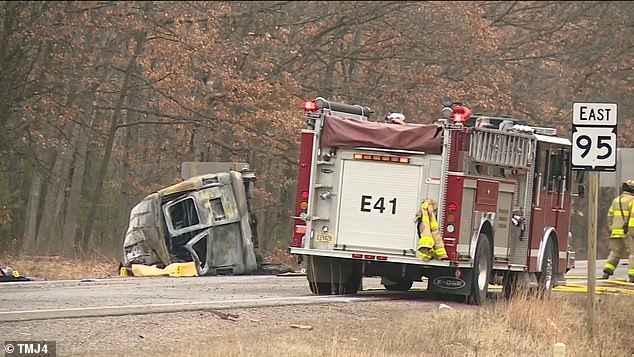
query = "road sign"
{"x": 594, "y": 136}
{"x": 593, "y": 149}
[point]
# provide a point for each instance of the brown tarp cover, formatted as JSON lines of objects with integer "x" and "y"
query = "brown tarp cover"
{"x": 356, "y": 133}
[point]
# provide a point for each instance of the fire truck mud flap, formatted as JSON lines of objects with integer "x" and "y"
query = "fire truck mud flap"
{"x": 445, "y": 281}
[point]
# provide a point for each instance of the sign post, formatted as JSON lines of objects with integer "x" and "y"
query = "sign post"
{"x": 593, "y": 149}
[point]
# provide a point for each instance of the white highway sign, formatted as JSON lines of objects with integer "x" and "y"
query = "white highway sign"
{"x": 594, "y": 136}
{"x": 594, "y": 114}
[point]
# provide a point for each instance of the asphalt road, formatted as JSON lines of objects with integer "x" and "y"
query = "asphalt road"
{"x": 131, "y": 296}
{"x": 143, "y": 295}
{"x": 581, "y": 269}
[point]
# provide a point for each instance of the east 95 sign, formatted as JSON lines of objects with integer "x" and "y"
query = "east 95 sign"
{"x": 594, "y": 136}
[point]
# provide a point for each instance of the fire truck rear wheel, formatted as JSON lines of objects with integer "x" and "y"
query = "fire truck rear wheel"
{"x": 403, "y": 285}
{"x": 481, "y": 271}
{"x": 320, "y": 288}
{"x": 548, "y": 273}
{"x": 509, "y": 285}
{"x": 353, "y": 283}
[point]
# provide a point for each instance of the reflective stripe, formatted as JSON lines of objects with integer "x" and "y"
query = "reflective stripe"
{"x": 619, "y": 213}
{"x": 618, "y": 232}
{"x": 425, "y": 218}
{"x": 631, "y": 222}
{"x": 630, "y": 272}
{"x": 425, "y": 242}
{"x": 440, "y": 252}
{"x": 609, "y": 267}
{"x": 434, "y": 225}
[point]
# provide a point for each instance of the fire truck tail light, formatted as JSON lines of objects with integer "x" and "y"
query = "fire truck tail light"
{"x": 303, "y": 204}
{"x": 451, "y": 218}
{"x": 369, "y": 256}
{"x": 300, "y": 229}
{"x": 386, "y": 158}
{"x": 452, "y": 206}
{"x": 309, "y": 106}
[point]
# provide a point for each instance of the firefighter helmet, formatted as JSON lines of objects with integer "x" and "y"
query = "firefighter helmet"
{"x": 395, "y": 118}
{"x": 628, "y": 186}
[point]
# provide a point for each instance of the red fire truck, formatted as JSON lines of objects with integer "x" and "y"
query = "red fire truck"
{"x": 502, "y": 187}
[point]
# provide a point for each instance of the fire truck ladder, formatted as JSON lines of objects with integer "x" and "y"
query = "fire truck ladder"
{"x": 503, "y": 148}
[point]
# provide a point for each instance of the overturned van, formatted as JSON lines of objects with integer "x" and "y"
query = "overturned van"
{"x": 206, "y": 219}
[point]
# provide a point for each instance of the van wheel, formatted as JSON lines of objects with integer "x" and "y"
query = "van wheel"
{"x": 481, "y": 271}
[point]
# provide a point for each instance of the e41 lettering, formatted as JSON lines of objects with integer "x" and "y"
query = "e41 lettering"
{"x": 368, "y": 204}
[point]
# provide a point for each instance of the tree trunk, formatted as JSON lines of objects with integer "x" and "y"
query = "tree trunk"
{"x": 87, "y": 240}
{"x": 134, "y": 100}
{"x": 47, "y": 234}
{"x": 31, "y": 218}
{"x": 74, "y": 199}
{"x": 197, "y": 148}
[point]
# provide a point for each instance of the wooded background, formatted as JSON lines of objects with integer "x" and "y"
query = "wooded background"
{"x": 100, "y": 102}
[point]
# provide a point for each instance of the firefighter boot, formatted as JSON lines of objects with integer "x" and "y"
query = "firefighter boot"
{"x": 632, "y": 279}
{"x": 607, "y": 273}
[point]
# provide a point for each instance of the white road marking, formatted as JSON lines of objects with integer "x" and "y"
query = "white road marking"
{"x": 43, "y": 314}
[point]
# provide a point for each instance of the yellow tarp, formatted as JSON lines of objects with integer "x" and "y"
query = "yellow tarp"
{"x": 174, "y": 269}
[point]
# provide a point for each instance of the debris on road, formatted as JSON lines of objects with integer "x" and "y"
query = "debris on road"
{"x": 302, "y": 272}
{"x": 225, "y": 315}
{"x": 174, "y": 270}
{"x": 8, "y": 274}
{"x": 302, "y": 327}
{"x": 445, "y": 307}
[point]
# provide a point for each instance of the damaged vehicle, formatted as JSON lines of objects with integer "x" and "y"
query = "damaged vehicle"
{"x": 206, "y": 219}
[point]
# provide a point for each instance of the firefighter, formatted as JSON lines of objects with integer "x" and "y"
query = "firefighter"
{"x": 621, "y": 225}
{"x": 395, "y": 118}
{"x": 430, "y": 245}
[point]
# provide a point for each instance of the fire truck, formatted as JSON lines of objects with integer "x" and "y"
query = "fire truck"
{"x": 502, "y": 187}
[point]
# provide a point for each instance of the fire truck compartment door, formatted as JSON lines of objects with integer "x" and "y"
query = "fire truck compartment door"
{"x": 378, "y": 202}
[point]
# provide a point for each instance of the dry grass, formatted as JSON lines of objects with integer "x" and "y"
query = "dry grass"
{"x": 58, "y": 268}
{"x": 521, "y": 327}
